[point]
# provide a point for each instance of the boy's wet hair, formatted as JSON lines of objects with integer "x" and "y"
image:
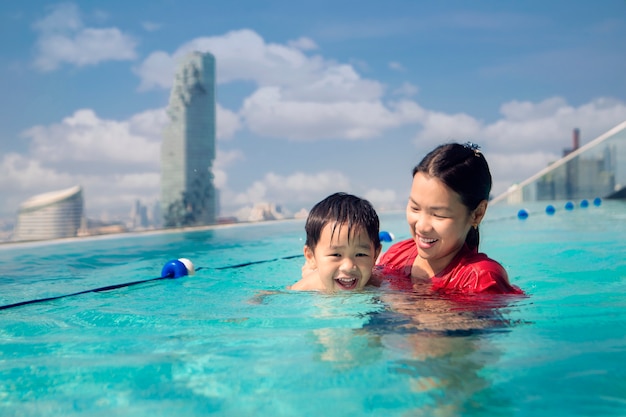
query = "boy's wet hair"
{"x": 463, "y": 169}
{"x": 342, "y": 209}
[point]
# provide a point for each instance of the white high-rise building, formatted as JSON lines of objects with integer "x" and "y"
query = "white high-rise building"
{"x": 52, "y": 215}
{"x": 188, "y": 195}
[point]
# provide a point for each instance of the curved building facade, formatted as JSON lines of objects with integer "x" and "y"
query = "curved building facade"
{"x": 53, "y": 215}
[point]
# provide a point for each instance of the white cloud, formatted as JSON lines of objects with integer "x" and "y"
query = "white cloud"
{"x": 62, "y": 18}
{"x": 19, "y": 172}
{"x": 303, "y": 43}
{"x": 548, "y": 124}
{"x": 156, "y": 71}
{"x": 228, "y": 123}
{"x": 299, "y": 97}
{"x": 150, "y": 26}
{"x": 63, "y": 39}
{"x": 396, "y": 66}
{"x": 407, "y": 90}
{"x": 382, "y": 199}
{"x": 438, "y": 127}
{"x": 524, "y": 110}
{"x": 223, "y": 160}
{"x": 298, "y": 188}
{"x": 115, "y": 193}
{"x": 244, "y": 55}
{"x": 116, "y": 162}
{"x": 83, "y": 137}
{"x": 268, "y": 113}
{"x": 22, "y": 177}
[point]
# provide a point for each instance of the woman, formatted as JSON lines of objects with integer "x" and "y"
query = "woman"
{"x": 448, "y": 200}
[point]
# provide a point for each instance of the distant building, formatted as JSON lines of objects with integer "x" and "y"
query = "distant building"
{"x": 155, "y": 216}
{"x": 188, "y": 195}
{"x": 265, "y": 211}
{"x": 584, "y": 176}
{"x": 596, "y": 169}
{"x": 51, "y": 215}
{"x": 139, "y": 216}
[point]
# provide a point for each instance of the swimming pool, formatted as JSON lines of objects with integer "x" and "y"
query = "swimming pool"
{"x": 230, "y": 341}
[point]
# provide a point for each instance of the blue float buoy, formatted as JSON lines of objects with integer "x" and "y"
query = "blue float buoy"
{"x": 569, "y": 206}
{"x": 584, "y": 203}
{"x": 550, "y": 209}
{"x": 174, "y": 269}
{"x": 522, "y": 214}
{"x": 597, "y": 201}
{"x": 385, "y": 236}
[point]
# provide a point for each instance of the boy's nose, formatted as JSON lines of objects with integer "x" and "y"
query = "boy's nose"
{"x": 348, "y": 264}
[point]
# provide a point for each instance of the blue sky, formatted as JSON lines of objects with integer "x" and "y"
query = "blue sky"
{"x": 314, "y": 97}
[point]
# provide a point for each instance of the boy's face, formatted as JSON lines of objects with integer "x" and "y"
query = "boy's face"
{"x": 342, "y": 263}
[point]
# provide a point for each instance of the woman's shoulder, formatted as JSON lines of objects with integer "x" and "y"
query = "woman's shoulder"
{"x": 481, "y": 262}
{"x": 402, "y": 246}
{"x": 477, "y": 272}
{"x": 398, "y": 251}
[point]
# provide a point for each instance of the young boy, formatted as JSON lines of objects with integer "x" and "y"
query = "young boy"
{"x": 342, "y": 244}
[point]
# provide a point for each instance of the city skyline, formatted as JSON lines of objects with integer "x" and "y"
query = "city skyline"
{"x": 309, "y": 101}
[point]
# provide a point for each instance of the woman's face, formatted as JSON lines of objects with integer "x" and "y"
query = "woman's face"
{"x": 438, "y": 220}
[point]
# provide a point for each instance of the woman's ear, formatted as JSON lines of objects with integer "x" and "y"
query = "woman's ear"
{"x": 309, "y": 257}
{"x": 479, "y": 213}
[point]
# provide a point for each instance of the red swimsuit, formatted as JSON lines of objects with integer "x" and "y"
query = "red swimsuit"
{"x": 468, "y": 272}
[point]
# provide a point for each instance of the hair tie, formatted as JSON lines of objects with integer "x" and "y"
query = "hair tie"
{"x": 473, "y": 147}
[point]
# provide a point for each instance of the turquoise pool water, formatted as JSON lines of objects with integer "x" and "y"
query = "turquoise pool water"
{"x": 232, "y": 342}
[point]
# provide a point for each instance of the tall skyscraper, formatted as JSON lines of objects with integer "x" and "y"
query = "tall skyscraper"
{"x": 188, "y": 196}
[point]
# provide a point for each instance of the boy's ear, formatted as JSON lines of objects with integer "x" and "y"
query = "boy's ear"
{"x": 309, "y": 257}
{"x": 377, "y": 253}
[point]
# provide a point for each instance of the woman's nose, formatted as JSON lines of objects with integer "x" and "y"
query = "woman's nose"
{"x": 422, "y": 224}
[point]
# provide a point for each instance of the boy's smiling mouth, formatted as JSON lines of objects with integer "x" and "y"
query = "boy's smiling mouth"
{"x": 347, "y": 283}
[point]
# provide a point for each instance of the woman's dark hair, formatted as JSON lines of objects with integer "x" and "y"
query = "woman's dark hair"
{"x": 463, "y": 169}
{"x": 342, "y": 209}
